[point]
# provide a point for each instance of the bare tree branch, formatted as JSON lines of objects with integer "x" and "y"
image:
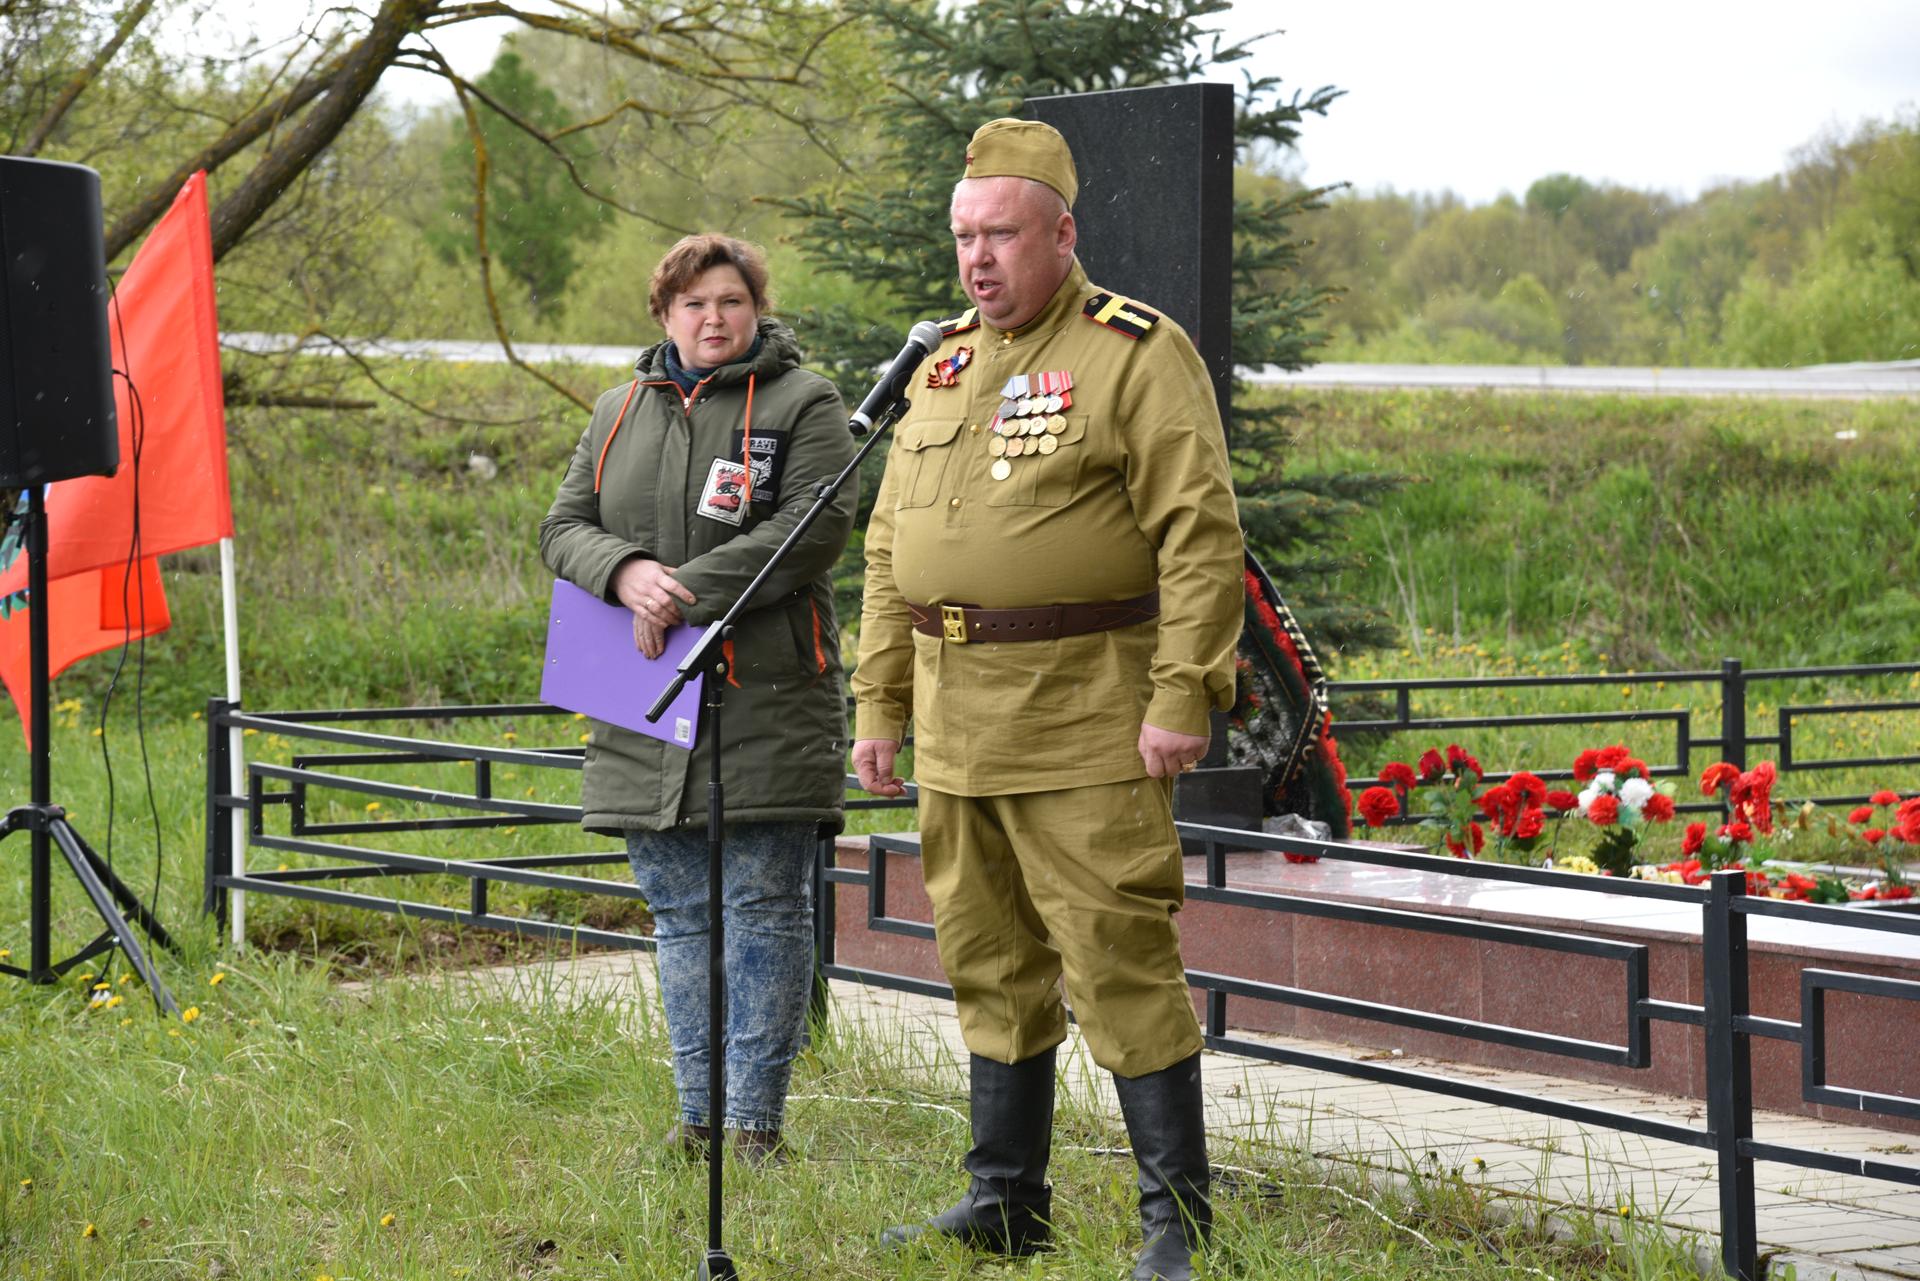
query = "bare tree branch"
{"x": 548, "y": 141}
{"x": 130, "y": 20}
{"x": 485, "y": 256}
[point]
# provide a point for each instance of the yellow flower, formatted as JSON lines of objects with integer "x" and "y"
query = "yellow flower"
{"x": 372, "y": 806}
{"x": 89, "y": 1231}
{"x": 189, "y": 1014}
{"x": 585, "y": 737}
{"x": 248, "y": 733}
{"x": 87, "y": 977}
{"x": 125, "y": 979}
{"x": 5, "y": 952}
{"x": 26, "y": 1185}
{"x": 579, "y": 716}
{"x": 96, "y": 734}
{"x": 126, "y": 1022}
{"x": 103, "y": 986}
{"x": 218, "y": 977}
{"x": 1479, "y": 1163}
{"x": 115, "y": 1000}
{"x": 386, "y": 1220}
{"x": 173, "y": 1031}
{"x": 509, "y": 735}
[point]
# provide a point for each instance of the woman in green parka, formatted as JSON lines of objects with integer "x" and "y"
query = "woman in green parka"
{"x": 686, "y": 480}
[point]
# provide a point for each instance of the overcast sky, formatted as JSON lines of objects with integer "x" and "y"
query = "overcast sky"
{"x": 1484, "y": 96}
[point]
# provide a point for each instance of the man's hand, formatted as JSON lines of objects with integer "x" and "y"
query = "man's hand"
{"x": 873, "y": 762}
{"x": 649, "y": 638}
{"x": 1167, "y": 753}
{"x": 650, "y": 590}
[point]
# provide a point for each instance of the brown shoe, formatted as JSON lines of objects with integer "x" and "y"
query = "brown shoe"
{"x": 761, "y": 1148}
{"x": 689, "y": 1142}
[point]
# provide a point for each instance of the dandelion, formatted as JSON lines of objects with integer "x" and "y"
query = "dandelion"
{"x": 386, "y": 1220}
{"x": 126, "y": 1022}
{"x": 112, "y": 1001}
{"x": 96, "y": 733}
{"x": 218, "y": 977}
{"x": 248, "y": 733}
{"x": 579, "y": 716}
{"x": 196, "y": 716}
{"x": 189, "y": 1014}
{"x": 373, "y": 806}
{"x": 585, "y": 737}
{"x": 1626, "y": 1212}
{"x": 125, "y": 979}
{"x": 103, "y": 986}
{"x": 89, "y": 1231}
{"x": 510, "y": 736}
{"x": 26, "y": 1185}
{"x": 1479, "y": 1163}
{"x": 5, "y": 952}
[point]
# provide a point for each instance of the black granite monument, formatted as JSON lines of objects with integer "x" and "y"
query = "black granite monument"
{"x": 1155, "y": 217}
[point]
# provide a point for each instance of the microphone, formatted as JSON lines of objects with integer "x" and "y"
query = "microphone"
{"x": 892, "y": 387}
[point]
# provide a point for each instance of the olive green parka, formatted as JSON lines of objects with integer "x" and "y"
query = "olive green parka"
{"x": 667, "y": 487}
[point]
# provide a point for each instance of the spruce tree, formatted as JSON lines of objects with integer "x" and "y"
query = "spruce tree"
{"x": 950, "y": 68}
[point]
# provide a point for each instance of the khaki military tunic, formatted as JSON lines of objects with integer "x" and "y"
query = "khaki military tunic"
{"x": 1133, "y": 494}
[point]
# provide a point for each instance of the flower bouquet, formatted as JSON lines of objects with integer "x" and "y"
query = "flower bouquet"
{"x": 1622, "y": 800}
{"x": 1442, "y": 789}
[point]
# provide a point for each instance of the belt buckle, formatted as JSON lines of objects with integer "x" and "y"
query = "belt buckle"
{"x": 953, "y": 624}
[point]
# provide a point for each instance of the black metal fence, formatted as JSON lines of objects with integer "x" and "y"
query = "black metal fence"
{"x": 343, "y": 756}
{"x": 1738, "y": 740}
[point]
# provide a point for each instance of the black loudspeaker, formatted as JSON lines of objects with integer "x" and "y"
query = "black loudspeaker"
{"x": 56, "y": 378}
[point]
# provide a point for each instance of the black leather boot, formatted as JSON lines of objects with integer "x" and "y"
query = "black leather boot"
{"x": 1007, "y": 1205}
{"x": 1166, "y": 1120}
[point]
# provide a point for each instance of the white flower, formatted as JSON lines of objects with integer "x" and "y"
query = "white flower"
{"x": 1603, "y": 782}
{"x": 1634, "y": 793}
{"x": 1586, "y": 797}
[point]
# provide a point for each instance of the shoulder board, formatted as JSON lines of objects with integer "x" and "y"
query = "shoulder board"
{"x": 968, "y": 319}
{"x": 1122, "y": 315}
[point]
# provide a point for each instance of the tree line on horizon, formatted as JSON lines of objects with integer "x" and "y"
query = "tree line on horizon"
{"x": 1817, "y": 264}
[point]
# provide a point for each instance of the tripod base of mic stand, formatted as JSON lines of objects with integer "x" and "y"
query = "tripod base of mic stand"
{"x": 717, "y": 1266}
{"x": 106, "y": 889}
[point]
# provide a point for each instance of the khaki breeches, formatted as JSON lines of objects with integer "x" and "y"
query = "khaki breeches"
{"x": 1082, "y": 881}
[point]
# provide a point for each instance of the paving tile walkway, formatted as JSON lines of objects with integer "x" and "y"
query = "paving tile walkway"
{"x": 1825, "y": 1225}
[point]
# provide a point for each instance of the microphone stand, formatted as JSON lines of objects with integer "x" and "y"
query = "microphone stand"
{"x": 708, "y": 656}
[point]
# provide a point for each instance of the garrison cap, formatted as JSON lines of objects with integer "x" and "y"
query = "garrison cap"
{"x": 1008, "y": 148}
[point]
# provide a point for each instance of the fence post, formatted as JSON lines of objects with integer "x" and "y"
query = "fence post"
{"x": 213, "y": 900}
{"x": 823, "y": 906}
{"x": 1723, "y": 966}
{"x": 1733, "y": 712}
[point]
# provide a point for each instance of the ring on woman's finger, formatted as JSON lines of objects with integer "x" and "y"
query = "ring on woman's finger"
{"x": 1187, "y": 767}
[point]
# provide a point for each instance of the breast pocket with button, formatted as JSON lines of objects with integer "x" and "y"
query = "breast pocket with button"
{"x": 925, "y": 450}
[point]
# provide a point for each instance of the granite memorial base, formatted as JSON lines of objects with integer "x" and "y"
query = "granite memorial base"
{"x": 1872, "y": 1043}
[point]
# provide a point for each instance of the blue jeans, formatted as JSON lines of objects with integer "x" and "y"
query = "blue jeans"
{"x": 768, "y": 886}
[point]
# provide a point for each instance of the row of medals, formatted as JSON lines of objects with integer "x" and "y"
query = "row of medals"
{"x": 1025, "y": 425}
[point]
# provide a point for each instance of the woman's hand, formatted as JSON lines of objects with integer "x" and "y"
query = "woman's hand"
{"x": 650, "y": 590}
{"x": 649, "y": 638}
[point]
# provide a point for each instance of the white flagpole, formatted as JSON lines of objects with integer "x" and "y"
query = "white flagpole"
{"x": 236, "y": 741}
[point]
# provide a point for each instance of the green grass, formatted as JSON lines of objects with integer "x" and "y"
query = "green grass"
{"x": 520, "y": 1134}
{"x": 1660, "y": 532}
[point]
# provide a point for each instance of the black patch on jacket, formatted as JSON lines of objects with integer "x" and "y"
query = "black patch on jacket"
{"x": 769, "y": 461}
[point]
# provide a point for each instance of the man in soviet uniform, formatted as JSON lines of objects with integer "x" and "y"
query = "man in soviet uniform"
{"x": 1053, "y": 594}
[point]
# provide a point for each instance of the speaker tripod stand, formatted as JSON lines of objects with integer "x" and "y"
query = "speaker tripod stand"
{"x": 47, "y": 827}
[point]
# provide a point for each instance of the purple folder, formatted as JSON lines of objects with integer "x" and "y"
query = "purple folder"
{"x": 593, "y": 667}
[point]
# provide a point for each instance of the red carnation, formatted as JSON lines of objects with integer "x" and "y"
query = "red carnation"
{"x": 1529, "y": 787}
{"x": 1478, "y": 837}
{"x": 1432, "y": 766}
{"x": 1896, "y": 891}
{"x": 1377, "y": 805}
{"x": 1885, "y": 798}
{"x": 1611, "y": 757}
{"x": 1562, "y": 801}
{"x": 1737, "y": 832}
{"x": 1906, "y": 821}
{"x": 1696, "y": 837}
{"x": 1716, "y": 775}
{"x": 1658, "y": 809}
{"x": 1460, "y": 761}
{"x": 1873, "y": 836}
{"x": 1603, "y": 810}
{"x": 1529, "y": 825}
{"x": 1398, "y": 775}
{"x": 1497, "y": 800}
{"x": 1633, "y": 765}
{"x": 1861, "y": 814}
{"x": 1586, "y": 765}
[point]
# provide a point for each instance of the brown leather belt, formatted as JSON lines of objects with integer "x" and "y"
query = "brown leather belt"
{"x": 962, "y": 624}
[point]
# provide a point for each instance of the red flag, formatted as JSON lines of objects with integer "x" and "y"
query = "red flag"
{"x": 165, "y": 338}
{"x": 87, "y": 612}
